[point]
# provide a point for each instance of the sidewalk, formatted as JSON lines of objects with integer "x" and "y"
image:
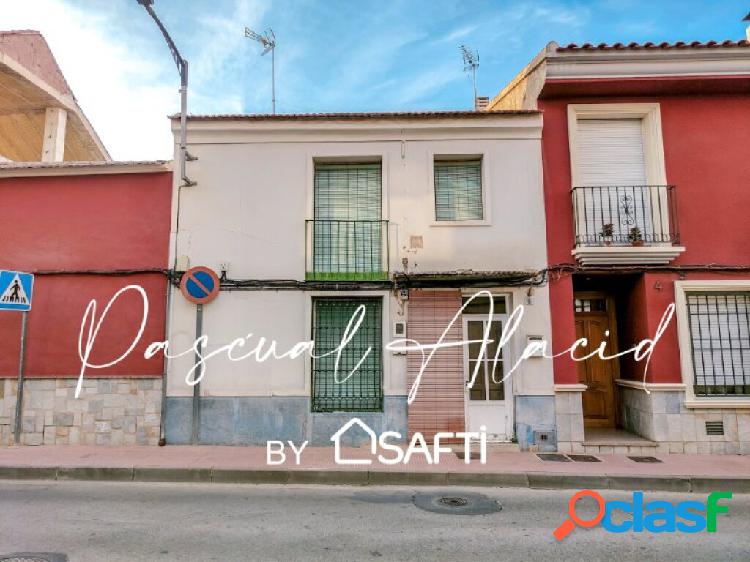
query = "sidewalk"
{"x": 679, "y": 473}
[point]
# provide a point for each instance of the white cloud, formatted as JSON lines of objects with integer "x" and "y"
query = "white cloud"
{"x": 459, "y": 33}
{"x": 122, "y": 73}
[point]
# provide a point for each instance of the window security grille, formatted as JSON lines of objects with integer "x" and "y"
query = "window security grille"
{"x": 720, "y": 338}
{"x": 347, "y": 228}
{"x": 458, "y": 191}
{"x": 363, "y": 391}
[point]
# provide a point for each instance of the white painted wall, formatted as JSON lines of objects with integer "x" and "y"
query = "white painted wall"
{"x": 255, "y": 182}
{"x": 254, "y": 193}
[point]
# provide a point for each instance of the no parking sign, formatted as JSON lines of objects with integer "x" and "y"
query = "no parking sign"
{"x": 200, "y": 285}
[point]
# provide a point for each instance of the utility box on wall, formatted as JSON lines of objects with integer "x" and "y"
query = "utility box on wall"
{"x": 546, "y": 441}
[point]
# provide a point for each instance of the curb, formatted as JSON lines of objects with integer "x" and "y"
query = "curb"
{"x": 533, "y": 480}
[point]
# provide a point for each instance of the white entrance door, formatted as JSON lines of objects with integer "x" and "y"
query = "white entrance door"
{"x": 489, "y": 401}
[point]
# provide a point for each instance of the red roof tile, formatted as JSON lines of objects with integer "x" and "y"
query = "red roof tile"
{"x": 651, "y": 46}
{"x": 356, "y": 116}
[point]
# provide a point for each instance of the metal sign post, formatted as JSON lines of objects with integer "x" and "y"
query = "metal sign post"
{"x": 19, "y": 392}
{"x": 199, "y": 285}
{"x": 198, "y": 373}
{"x": 16, "y": 290}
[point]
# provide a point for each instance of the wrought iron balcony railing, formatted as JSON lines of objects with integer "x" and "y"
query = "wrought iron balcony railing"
{"x": 625, "y": 215}
{"x": 346, "y": 250}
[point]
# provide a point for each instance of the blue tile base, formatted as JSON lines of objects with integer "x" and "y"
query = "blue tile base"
{"x": 535, "y": 413}
{"x": 231, "y": 420}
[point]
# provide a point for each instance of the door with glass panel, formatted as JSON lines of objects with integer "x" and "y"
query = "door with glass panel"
{"x": 489, "y": 399}
{"x": 347, "y": 230}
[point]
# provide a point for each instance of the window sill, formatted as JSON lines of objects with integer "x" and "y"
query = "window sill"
{"x": 483, "y": 222}
{"x": 718, "y": 403}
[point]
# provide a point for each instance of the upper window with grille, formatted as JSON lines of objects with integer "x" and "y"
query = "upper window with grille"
{"x": 458, "y": 190}
{"x": 720, "y": 340}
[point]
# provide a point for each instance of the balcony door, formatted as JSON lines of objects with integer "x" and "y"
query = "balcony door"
{"x": 612, "y": 173}
{"x": 347, "y": 229}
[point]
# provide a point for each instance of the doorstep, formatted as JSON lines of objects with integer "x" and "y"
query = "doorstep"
{"x": 616, "y": 441}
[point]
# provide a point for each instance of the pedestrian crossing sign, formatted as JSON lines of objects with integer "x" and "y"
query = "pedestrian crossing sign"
{"x": 15, "y": 290}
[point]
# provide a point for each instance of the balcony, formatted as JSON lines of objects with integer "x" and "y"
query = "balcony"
{"x": 625, "y": 224}
{"x": 346, "y": 250}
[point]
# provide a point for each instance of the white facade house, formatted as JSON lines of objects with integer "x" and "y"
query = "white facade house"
{"x": 306, "y": 217}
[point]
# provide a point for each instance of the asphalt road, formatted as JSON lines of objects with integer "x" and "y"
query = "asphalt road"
{"x": 100, "y": 521}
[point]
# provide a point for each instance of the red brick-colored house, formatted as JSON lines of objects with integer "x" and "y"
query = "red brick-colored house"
{"x": 86, "y": 230}
{"x": 645, "y": 154}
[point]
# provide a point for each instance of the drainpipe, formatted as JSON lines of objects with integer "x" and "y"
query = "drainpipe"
{"x": 167, "y": 324}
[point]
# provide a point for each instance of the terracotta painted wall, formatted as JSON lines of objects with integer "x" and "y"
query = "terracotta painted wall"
{"x": 85, "y": 223}
{"x": 706, "y": 147}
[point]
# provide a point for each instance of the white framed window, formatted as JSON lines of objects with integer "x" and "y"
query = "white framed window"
{"x": 713, "y": 322}
{"x": 459, "y": 190}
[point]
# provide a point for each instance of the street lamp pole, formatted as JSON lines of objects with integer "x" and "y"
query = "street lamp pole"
{"x": 182, "y": 68}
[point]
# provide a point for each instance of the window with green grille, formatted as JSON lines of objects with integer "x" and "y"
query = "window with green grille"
{"x": 347, "y": 227}
{"x": 363, "y": 391}
{"x": 458, "y": 190}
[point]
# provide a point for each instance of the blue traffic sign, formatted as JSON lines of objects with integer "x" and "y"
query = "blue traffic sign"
{"x": 200, "y": 285}
{"x": 16, "y": 289}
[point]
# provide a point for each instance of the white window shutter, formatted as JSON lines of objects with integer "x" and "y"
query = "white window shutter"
{"x": 610, "y": 152}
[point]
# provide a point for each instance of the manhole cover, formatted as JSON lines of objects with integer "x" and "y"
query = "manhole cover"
{"x": 644, "y": 459}
{"x": 34, "y": 557}
{"x": 463, "y": 504}
{"x": 454, "y": 502}
{"x": 554, "y": 457}
{"x": 584, "y": 458}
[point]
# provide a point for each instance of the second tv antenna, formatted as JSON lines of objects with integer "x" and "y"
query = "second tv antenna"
{"x": 268, "y": 41}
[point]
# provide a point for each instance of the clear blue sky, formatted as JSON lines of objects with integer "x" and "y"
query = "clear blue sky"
{"x": 388, "y": 55}
{"x": 332, "y": 55}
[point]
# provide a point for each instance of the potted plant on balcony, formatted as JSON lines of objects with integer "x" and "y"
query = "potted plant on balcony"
{"x": 608, "y": 231}
{"x": 635, "y": 236}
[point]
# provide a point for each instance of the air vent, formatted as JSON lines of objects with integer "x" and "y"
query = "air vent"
{"x": 714, "y": 428}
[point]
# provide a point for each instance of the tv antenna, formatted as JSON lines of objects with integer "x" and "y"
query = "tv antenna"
{"x": 268, "y": 41}
{"x": 471, "y": 63}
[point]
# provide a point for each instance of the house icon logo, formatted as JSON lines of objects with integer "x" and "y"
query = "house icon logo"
{"x": 336, "y": 438}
